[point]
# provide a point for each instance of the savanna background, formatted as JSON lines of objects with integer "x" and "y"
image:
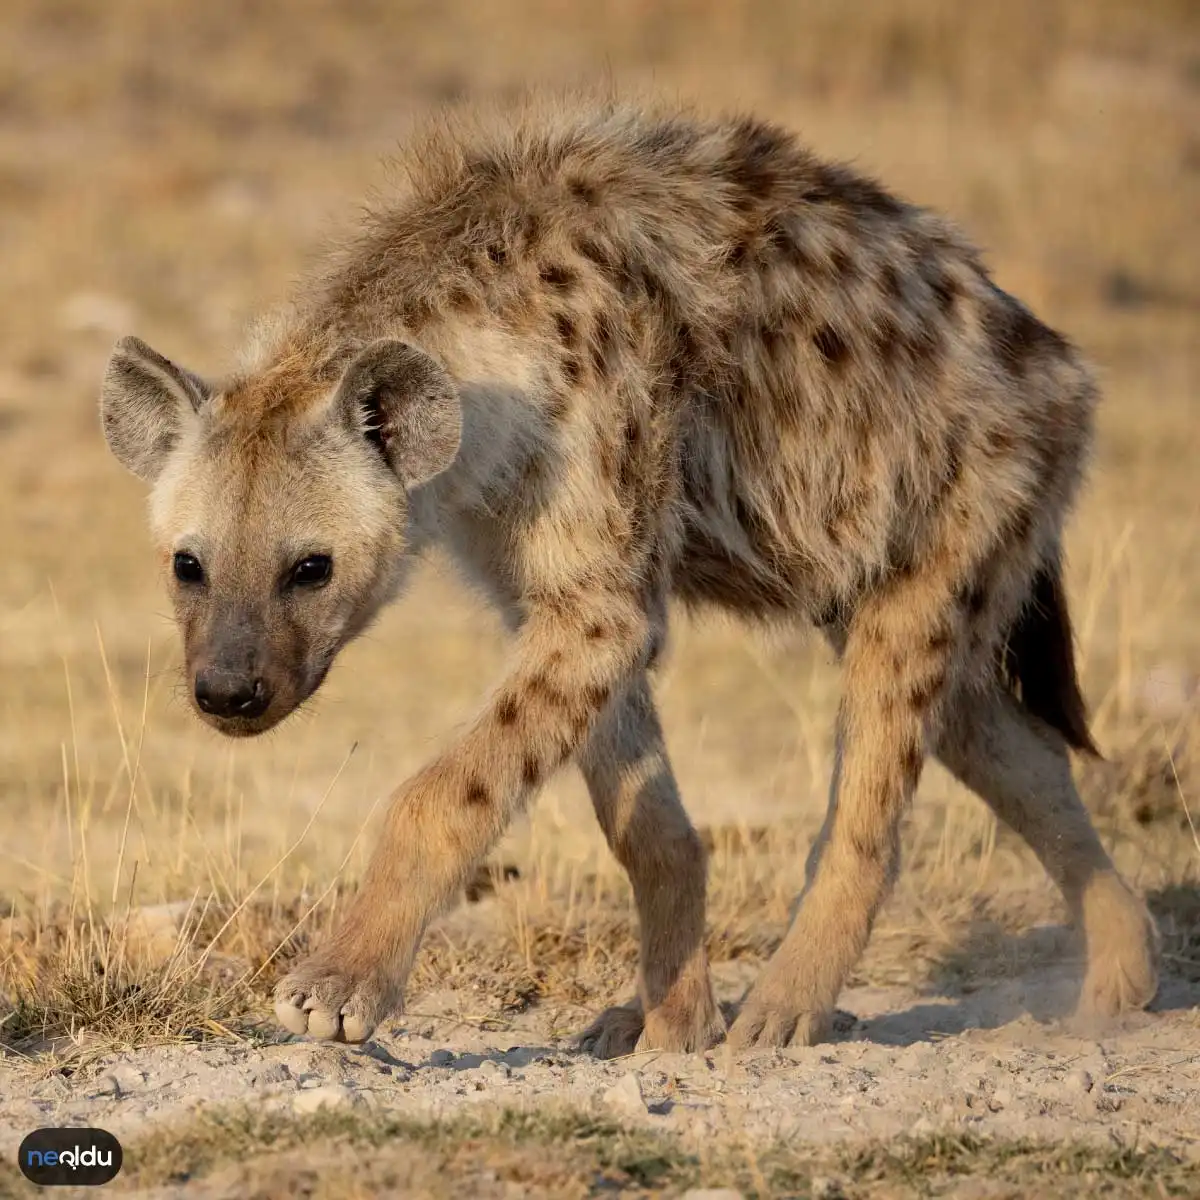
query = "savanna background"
{"x": 169, "y": 169}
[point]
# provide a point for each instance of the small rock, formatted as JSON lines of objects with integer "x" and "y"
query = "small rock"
{"x": 107, "y": 1085}
{"x": 442, "y": 1058}
{"x": 1001, "y": 1098}
{"x": 491, "y": 1069}
{"x": 332, "y": 1095}
{"x": 625, "y": 1096}
{"x": 1078, "y": 1081}
{"x": 712, "y": 1194}
{"x": 128, "y": 1078}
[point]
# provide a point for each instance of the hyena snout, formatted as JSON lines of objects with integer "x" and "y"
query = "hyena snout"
{"x": 223, "y": 693}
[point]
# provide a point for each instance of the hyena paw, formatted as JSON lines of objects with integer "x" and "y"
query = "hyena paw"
{"x": 324, "y": 1000}
{"x": 1122, "y": 973}
{"x": 683, "y": 1031}
{"x": 615, "y": 1032}
{"x": 768, "y": 1021}
{"x": 672, "y": 1028}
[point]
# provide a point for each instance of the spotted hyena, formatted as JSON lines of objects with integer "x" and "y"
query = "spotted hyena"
{"x": 612, "y": 356}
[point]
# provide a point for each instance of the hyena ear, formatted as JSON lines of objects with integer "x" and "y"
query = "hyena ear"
{"x": 145, "y": 402}
{"x": 405, "y": 402}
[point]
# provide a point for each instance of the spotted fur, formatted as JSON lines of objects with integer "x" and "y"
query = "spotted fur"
{"x": 614, "y": 356}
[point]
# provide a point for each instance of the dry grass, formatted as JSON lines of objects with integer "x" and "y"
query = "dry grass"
{"x": 565, "y": 1153}
{"x": 169, "y": 167}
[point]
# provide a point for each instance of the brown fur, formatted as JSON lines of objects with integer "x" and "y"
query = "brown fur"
{"x": 612, "y": 357}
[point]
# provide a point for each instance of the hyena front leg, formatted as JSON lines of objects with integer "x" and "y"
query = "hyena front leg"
{"x": 898, "y": 650}
{"x": 1020, "y": 767}
{"x": 637, "y": 803}
{"x": 441, "y": 822}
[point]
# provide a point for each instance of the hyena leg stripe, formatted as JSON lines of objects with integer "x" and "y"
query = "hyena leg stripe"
{"x": 441, "y": 822}
{"x": 1019, "y": 766}
{"x": 633, "y": 791}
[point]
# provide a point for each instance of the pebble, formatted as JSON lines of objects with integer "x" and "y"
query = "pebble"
{"x": 625, "y": 1096}
{"x": 332, "y": 1095}
{"x": 491, "y": 1069}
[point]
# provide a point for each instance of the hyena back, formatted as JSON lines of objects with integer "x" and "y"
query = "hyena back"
{"x": 612, "y": 357}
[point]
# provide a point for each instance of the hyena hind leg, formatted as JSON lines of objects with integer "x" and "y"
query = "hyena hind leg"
{"x": 897, "y": 656}
{"x": 1019, "y": 766}
{"x": 637, "y": 803}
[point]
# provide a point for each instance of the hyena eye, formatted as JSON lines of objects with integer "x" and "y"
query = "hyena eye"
{"x": 188, "y": 568}
{"x": 311, "y": 571}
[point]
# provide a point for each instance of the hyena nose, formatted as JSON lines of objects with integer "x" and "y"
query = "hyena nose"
{"x": 222, "y": 694}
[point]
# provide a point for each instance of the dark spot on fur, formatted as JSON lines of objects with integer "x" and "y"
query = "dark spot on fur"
{"x": 753, "y": 162}
{"x": 973, "y": 597}
{"x": 531, "y": 770}
{"x": 497, "y": 254}
{"x": 595, "y": 253}
{"x": 609, "y": 465}
{"x": 531, "y": 229}
{"x": 791, "y": 249}
{"x": 836, "y": 185}
{"x": 844, "y": 267}
{"x": 1016, "y": 335}
{"x": 912, "y": 759}
{"x": 863, "y": 845}
{"x": 945, "y": 291}
{"x": 774, "y": 341}
{"x": 568, "y": 331}
{"x": 831, "y": 346}
{"x": 891, "y": 282}
{"x": 572, "y": 369}
{"x": 461, "y": 299}
{"x": 556, "y": 405}
{"x": 507, "y": 710}
{"x": 597, "y": 695}
{"x": 1000, "y": 442}
{"x": 559, "y": 277}
{"x": 939, "y": 642}
{"x": 478, "y": 794}
{"x": 541, "y": 689}
{"x": 603, "y": 344}
{"x": 739, "y": 252}
{"x": 584, "y": 191}
{"x": 1021, "y": 524}
{"x": 595, "y": 631}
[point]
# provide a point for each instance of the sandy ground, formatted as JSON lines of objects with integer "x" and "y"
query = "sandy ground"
{"x": 1000, "y": 1060}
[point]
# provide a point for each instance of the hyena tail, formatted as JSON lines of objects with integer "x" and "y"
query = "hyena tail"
{"x": 1039, "y": 661}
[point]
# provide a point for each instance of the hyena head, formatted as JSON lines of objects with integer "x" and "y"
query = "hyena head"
{"x": 280, "y": 506}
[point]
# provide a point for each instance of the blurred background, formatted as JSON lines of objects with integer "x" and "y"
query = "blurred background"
{"x": 169, "y": 168}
